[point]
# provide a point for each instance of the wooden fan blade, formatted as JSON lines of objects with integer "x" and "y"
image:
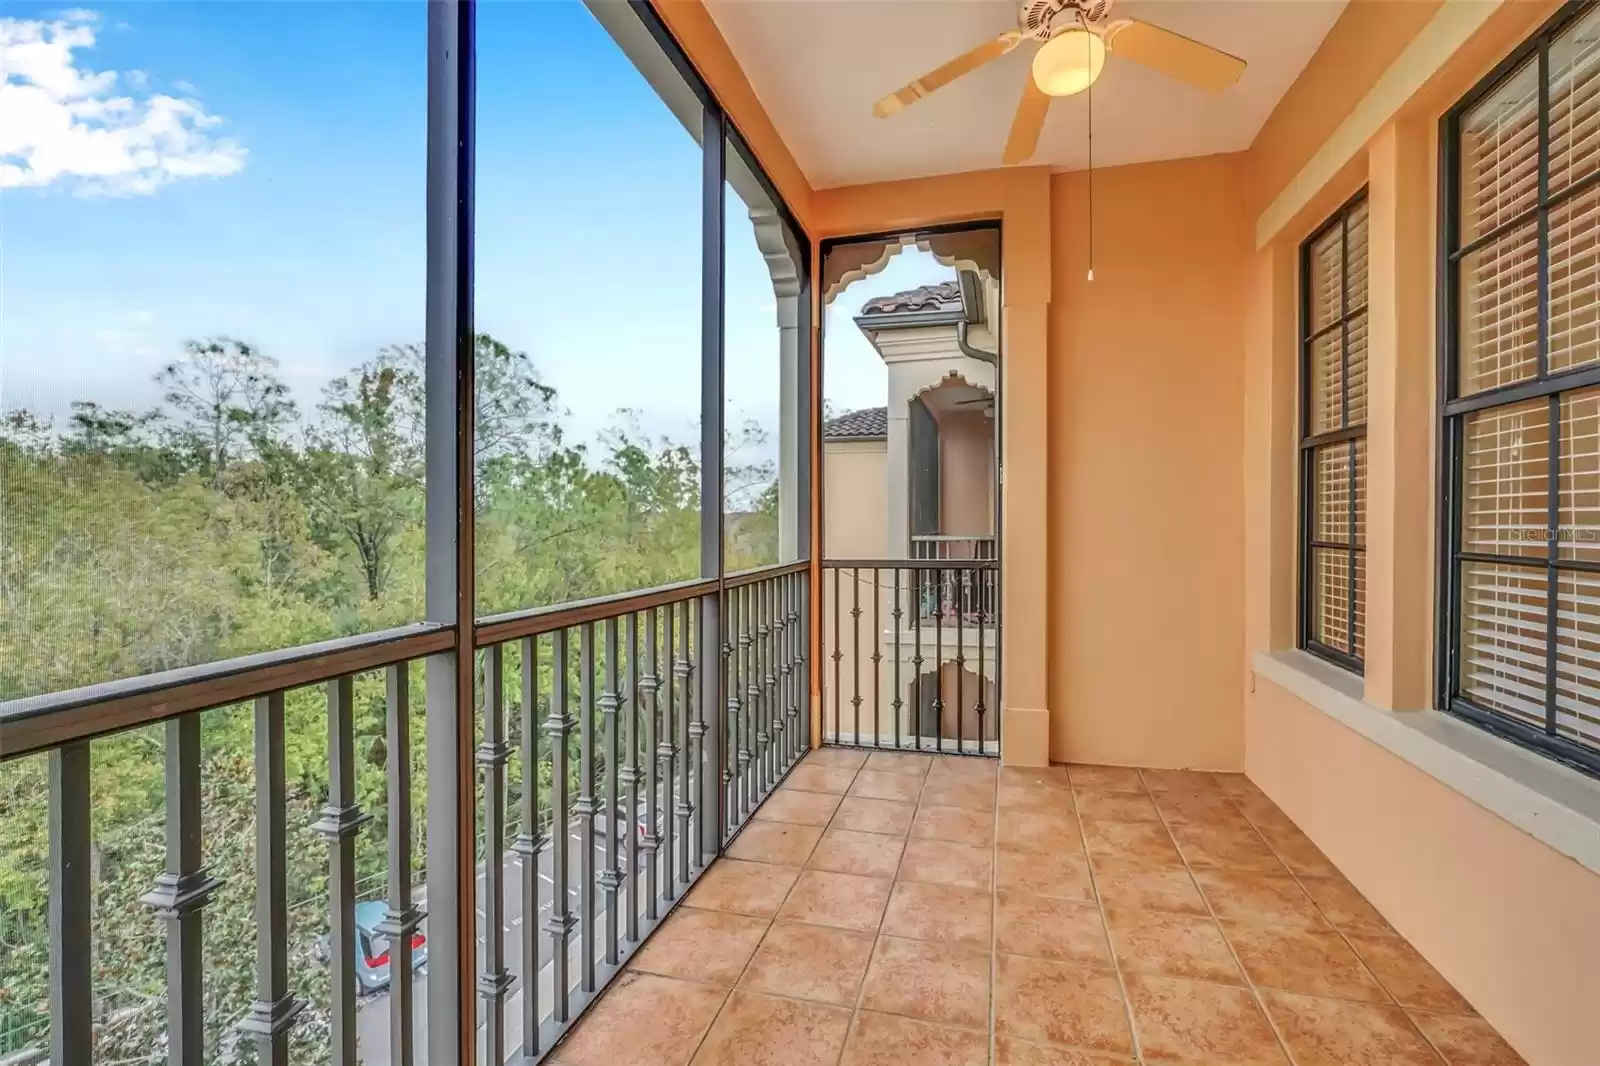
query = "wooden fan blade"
{"x": 939, "y": 77}
{"x": 1174, "y": 55}
{"x": 1027, "y": 124}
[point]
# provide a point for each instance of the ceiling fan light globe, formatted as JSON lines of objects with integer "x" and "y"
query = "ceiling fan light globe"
{"x": 1069, "y": 62}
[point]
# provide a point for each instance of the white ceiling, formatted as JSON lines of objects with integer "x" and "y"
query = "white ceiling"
{"x": 818, "y": 65}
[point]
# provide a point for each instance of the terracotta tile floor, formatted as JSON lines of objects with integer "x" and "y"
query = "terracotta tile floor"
{"x": 895, "y": 908}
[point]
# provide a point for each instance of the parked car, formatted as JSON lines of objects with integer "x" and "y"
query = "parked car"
{"x": 373, "y": 948}
{"x": 641, "y": 824}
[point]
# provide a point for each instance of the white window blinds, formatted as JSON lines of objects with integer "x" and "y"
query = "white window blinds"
{"x": 1334, "y": 384}
{"x": 1526, "y": 261}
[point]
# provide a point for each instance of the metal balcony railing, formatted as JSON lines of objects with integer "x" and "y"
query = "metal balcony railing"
{"x": 911, "y": 655}
{"x": 669, "y": 713}
{"x": 966, "y": 593}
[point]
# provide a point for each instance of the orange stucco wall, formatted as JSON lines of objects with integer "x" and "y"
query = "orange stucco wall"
{"x": 1146, "y": 486}
{"x": 1149, "y": 544}
{"x": 1514, "y": 925}
{"x": 1452, "y": 877}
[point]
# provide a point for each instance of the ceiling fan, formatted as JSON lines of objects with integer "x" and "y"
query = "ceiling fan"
{"x": 1076, "y": 35}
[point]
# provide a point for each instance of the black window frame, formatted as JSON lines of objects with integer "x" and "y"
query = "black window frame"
{"x": 1310, "y": 444}
{"x": 1453, "y": 408}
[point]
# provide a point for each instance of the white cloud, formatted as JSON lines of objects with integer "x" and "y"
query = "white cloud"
{"x": 66, "y": 124}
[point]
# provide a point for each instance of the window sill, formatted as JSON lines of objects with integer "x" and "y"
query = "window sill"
{"x": 1554, "y": 804}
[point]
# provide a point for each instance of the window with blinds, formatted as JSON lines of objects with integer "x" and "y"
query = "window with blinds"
{"x": 1333, "y": 447}
{"x": 1521, "y": 650}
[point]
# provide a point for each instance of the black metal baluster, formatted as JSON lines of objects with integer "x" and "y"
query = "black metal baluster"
{"x": 71, "y": 892}
{"x": 611, "y": 873}
{"x": 275, "y": 1009}
{"x": 630, "y": 773}
{"x": 668, "y": 753}
{"x": 494, "y": 979}
{"x": 897, "y": 705}
{"x": 688, "y": 740}
{"x": 401, "y": 922}
{"x": 558, "y": 727}
{"x": 734, "y": 703}
{"x": 585, "y": 806}
{"x": 655, "y": 733}
{"x": 800, "y": 619}
{"x": 983, "y": 615}
{"x": 529, "y": 843}
{"x": 750, "y": 644}
{"x": 916, "y": 659}
{"x": 750, "y": 764}
{"x": 938, "y": 659}
{"x": 877, "y": 656}
{"x": 702, "y": 653}
{"x": 838, "y": 653}
{"x": 341, "y": 820}
{"x": 774, "y": 698}
{"x": 855, "y": 651}
{"x": 780, "y": 704}
{"x": 180, "y": 893}
{"x": 767, "y": 733}
{"x": 963, "y": 596}
{"x": 799, "y": 730}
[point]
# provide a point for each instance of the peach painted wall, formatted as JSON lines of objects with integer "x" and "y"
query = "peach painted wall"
{"x": 1452, "y": 877}
{"x": 1365, "y": 39}
{"x": 1146, "y": 487}
{"x": 966, "y": 473}
{"x": 1514, "y": 925}
{"x": 855, "y": 520}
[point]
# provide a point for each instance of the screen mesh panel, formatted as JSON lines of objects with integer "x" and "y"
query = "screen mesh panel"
{"x": 1332, "y": 493}
{"x": 1361, "y": 606}
{"x": 1331, "y": 619}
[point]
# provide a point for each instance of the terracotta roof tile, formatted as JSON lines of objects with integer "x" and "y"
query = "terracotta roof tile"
{"x": 946, "y": 296}
{"x": 868, "y": 422}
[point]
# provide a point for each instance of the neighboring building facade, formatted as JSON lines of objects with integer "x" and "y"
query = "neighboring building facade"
{"x": 914, "y": 481}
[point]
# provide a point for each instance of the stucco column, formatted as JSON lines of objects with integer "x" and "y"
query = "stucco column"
{"x": 790, "y": 506}
{"x": 783, "y": 263}
{"x": 1025, "y": 466}
{"x": 897, "y": 508}
{"x": 1400, "y": 372}
{"x": 1271, "y": 450}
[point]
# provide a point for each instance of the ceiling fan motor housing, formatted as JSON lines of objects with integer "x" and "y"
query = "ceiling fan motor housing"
{"x": 1040, "y": 20}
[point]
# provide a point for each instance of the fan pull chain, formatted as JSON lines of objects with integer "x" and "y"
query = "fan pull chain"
{"x": 1091, "y": 180}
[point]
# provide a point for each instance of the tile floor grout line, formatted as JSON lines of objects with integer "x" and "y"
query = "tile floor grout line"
{"x": 1249, "y": 982}
{"x": 1344, "y": 937}
{"x": 877, "y": 934}
{"x": 771, "y": 921}
{"x": 994, "y": 926}
{"x": 1105, "y": 921}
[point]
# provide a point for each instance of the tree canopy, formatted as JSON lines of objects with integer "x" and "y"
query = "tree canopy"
{"x": 226, "y": 520}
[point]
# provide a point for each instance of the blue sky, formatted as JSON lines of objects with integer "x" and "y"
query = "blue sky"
{"x": 258, "y": 169}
